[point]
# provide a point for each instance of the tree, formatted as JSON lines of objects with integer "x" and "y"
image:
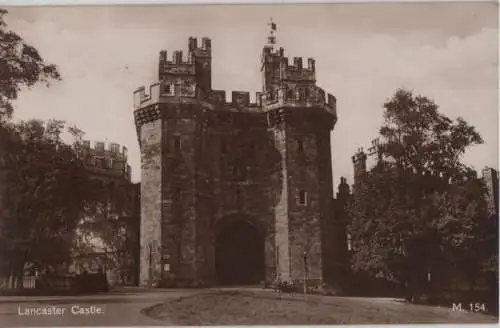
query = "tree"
{"x": 420, "y": 206}
{"x": 20, "y": 66}
{"x": 109, "y": 220}
{"x": 48, "y": 191}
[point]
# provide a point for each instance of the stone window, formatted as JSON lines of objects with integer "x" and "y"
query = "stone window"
{"x": 177, "y": 144}
{"x": 302, "y": 197}
{"x": 169, "y": 88}
{"x": 115, "y": 148}
{"x": 177, "y": 194}
{"x": 349, "y": 242}
{"x": 302, "y": 95}
{"x": 300, "y": 146}
{"x": 99, "y": 146}
{"x": 238, "y": 196}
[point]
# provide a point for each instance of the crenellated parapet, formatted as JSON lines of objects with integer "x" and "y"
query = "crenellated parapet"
{"x": 205, "y": 50}
{"x": 194, "y": 69}
{"x": 300, "y": 97}
{"x": 296, "y": 71}
{"x": 178, "y": 65}
{"x": 162, "y": 92}
{"x": 104, "y": 157}
{"x": 239, "y": 100}
{"x": 279, "y": 69}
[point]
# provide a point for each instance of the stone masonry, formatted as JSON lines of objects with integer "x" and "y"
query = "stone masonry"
{"x": 206, "y": 161}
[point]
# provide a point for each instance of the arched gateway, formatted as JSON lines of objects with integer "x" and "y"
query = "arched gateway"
{"x": 239, "y": 252}
{"x": 203, "y": 156}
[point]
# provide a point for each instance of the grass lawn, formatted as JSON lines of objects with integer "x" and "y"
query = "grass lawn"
{"x": 267, "y": 308}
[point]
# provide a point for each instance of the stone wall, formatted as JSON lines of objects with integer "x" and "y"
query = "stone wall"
{"x": 199, "y": 171}
{"x": 282, "y": 238}
{"x": 179, "y": 220}
{"x": 304, "y": 218}
{"x": 151, "y": 202}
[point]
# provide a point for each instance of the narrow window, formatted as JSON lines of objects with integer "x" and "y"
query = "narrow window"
{"x": 169, "y": 89}
{"x": 177, "y": 195}
{"x": 349, "y": 242}
{"x": 300, "y": 146}
{"x": 238, "y": 196}
{"x": 302, "y": 95}
{"x": 177, "y": 144}
{"x": 302, "y": 197}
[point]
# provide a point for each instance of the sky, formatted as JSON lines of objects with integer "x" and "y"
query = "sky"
{"x": 364, "y": 53}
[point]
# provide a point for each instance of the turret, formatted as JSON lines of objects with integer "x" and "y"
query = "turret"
{"x": 343, "y": 190}
{"x": 277, "y": 71}
{"x": 359, "y": 162}
{"x": 195, "y": 70}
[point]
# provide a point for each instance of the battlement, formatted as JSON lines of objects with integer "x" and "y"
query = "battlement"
{"x": 102, "y": 147}
{"x": 185, "y": 65}
{"x": 204, "y": 50}
{"x": 104, "y": 157}
{"x": 303, "y": 96}
{"x": 297, "y": 64}
{"x": 163, "y": 93}
{"x": 177, "y": 58}
{"x": 237, "y": 99}
{"x": 290, "y": 69}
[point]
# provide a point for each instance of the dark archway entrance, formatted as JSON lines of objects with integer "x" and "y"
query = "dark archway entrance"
{"x": 239, "y": 254}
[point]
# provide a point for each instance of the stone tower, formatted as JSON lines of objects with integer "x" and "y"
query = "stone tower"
{"x": 234, "y": 184}
{"x": 359, "y": 163}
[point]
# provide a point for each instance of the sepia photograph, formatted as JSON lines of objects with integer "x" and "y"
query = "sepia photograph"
{"x": 249, "y": 164}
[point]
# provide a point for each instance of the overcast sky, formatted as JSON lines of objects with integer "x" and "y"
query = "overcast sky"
{"x": 363, "y": 52}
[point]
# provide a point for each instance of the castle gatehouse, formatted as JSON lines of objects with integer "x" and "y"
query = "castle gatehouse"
{"x": 234, "y": 192}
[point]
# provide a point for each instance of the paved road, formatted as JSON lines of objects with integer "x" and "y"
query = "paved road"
{"x": 120, "y": 307}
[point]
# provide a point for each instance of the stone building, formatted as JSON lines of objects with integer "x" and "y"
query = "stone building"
{"x": 234, "y": 192}
{"x": 117, "y": 253}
